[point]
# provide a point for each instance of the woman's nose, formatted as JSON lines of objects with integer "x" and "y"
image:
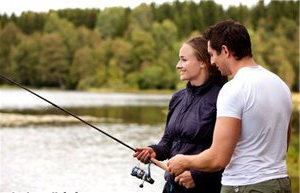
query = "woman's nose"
{"x": 178, "y": 65}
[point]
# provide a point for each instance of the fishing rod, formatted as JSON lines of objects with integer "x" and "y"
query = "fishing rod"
{"x": 136, "y": 171}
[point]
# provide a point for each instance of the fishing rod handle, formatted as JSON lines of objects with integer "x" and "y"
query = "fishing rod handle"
{"x": 159, "y": 164}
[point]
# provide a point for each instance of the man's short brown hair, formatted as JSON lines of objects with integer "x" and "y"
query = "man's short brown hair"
{"x": 231, "y": 34}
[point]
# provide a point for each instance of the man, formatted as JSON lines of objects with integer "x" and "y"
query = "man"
{"x": 253, "y": 114}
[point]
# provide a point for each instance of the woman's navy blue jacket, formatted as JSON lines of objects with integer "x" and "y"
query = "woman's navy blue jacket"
{"x": 189, "y": 130}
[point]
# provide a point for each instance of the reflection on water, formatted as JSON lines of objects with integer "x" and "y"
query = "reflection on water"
{"x": 20, "y": 99}
{"x": 74, "y": 158}
{"x": 77, "y": 158}
{"x": 124, "y": 114}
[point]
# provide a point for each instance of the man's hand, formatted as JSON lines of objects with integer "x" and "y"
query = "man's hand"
{"x": 185, "y": 179}
{"x": 144, "y": 154}
{"x": 177, "y": 164}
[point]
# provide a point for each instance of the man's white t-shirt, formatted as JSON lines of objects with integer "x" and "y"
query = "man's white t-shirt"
{"x": 262, "y": 101}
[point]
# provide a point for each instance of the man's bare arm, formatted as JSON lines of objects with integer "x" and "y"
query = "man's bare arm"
{"x": 226, "y": 135}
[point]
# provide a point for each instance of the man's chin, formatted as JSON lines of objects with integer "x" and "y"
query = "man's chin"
{"x": 225, "y": 73}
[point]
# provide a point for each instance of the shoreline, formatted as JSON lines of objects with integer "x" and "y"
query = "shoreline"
{"x": 19, "y": 120}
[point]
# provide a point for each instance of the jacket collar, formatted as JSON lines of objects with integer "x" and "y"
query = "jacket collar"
{"x": 199, "y": 90}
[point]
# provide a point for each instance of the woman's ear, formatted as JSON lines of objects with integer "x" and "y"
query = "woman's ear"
{"x": 202, "y": 65}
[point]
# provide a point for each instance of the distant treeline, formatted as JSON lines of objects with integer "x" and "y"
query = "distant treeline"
{"x": 123, "y": 48}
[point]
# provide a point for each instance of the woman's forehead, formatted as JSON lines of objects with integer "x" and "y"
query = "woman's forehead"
{"x": 186, "y": 50}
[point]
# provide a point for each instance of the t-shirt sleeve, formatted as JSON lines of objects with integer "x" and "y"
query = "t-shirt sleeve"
{"x": 230, "y": 102}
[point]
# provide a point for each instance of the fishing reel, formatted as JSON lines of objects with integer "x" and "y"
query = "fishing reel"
{"x": 142, "y": 174}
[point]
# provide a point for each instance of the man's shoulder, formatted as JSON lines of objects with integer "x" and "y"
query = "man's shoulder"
{"x": 232, "y": 85}
{"x": 232, "y": 92}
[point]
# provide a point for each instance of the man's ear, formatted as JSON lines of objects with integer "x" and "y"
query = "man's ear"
{"x": 226, "y": 51}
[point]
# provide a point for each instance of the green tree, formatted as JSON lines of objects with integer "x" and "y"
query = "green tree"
{"x": 164, "y": 35}
{"x": 112, "y": 22}
{"x": 4, "y": 19}
{"x": 86, "y": 37}
{"x": 143, "y": 50}
{"x": 151, "y": 78}
{"x": 30, "y": 22}
{"x": 212, "y": 12}
{"x": 286, "y": 33}
{"x": 142, "y": 17}
{"x": 53, "y": 65}
{"x": 25, "y": 59}
{"x": 240, "y": 13}
{"x": 115, "y": 75}
{"x": 259, "y": 50}
{"x": 10, "y": 36}
{"x": 122, "y": 51}
{"x": 196, "y": 17}
{"x": 259, "y": 11}
{"x": 123, "y": 45}
{"x": 65, "y": 29}
{"x": 80, "y": 17}
{"x": 167, "y": 60}
{"x": 86, "y": 67}
{"x": 82, "y": 66}
{"x": 100, "y": 73}
{"x": 162, "y": 12}
{"x": 283, "y": 68}
{"x": 182, "y": 19}
{"x": 161, "y": 73}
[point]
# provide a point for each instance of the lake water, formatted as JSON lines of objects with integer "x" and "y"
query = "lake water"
{"x": 63, "y": 157}
{"x": 77, "y": 158}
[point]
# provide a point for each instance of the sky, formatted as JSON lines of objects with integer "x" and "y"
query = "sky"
{"x": 18, "y": 6}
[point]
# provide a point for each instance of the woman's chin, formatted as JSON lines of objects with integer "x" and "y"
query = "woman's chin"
{"x": 182, "y": 78}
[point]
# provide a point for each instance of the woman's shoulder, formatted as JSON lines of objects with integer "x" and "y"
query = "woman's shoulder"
{"x": 213, "y": 92}
{"x": 179, "y": 93}
{"x": 209, "y": 100}
{"x": 177, "y": 96}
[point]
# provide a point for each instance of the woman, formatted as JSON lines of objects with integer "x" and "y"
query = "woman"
{"x": 191, "y": 120}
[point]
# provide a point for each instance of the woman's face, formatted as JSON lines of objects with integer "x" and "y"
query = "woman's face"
{"x": 190, "y": 68}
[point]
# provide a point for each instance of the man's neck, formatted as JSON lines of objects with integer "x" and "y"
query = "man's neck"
{"x": 244, "y": 62}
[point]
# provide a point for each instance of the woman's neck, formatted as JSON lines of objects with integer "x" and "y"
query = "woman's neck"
{"x": 201, "y": 79}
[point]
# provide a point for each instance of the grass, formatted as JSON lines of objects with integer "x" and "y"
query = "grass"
{"x": 296, "y": 100}
{"x": 293, "y": 152}
{"x": 293, "y": 161}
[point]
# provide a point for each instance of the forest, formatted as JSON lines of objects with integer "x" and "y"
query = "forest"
{"x": 121, "y": 48}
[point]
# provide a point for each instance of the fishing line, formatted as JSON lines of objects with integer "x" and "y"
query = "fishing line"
{"x": 67, "y": 112}
{"x": 136, "y": 171}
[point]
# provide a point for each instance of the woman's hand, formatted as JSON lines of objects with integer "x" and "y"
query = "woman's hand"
{"x": 144, "y": 154}
{"x": 185, "y": 179}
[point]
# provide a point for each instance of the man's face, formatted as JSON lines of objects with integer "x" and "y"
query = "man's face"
{"x": 218, "y": 60}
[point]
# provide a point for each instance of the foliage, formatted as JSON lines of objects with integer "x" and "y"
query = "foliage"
{"x": 112, "y": 22}
{"x": 137, "y": 48}
{"x": 53, "y": 62}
